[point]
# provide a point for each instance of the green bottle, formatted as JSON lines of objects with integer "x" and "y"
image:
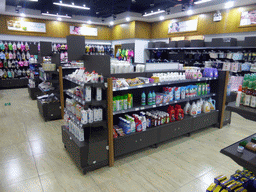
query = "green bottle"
{"x": 114, "y": 104}
{"x": 143, "y": 98}
{"x": 149, "y": 98}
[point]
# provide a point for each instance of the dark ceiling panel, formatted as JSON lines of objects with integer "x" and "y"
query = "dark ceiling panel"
{"x": 105, "y": 8}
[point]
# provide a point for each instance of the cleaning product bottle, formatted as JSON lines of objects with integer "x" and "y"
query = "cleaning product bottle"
{"x": 125, "y": 102}
{"x": 150, "y": 98}
{"x": 193, "y": 109}
{"x": 153, "y": 98}
{"x": 139, "y": 125}
{"x": 186, "y": 108}
{"x": 144, "y": 122}
{"x": 212, "y": 103}
{"x": 143, "y": 98}
{"x": 206, "y": 107}
{"x": 199, "y": 107}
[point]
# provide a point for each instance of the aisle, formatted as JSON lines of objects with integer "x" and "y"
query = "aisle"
{"x": 32, "y": 157}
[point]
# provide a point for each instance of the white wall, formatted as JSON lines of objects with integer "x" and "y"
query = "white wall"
{"x": 140, "y": 53}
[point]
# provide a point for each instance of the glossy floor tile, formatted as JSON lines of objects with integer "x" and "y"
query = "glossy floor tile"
{"x": 32, "y": 156}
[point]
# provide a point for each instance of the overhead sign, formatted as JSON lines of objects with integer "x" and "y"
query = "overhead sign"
{"x": 184, "y": 26}
{"x": 248, "y": 18}
{"x": 87, "y": 31}
{"x": 26, "y": 26}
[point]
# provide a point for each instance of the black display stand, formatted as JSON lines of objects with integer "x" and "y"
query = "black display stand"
{"x": 247, "y": 159}
{"x": 246, "y": 112}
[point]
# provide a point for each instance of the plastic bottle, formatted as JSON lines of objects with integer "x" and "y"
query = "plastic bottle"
{"x": 248, "y": 94}
{"x": 121, "y": 103}
{"x": 117, "y": 103}
{"x": 244, "y": 88}
{"x": 125, "y": 102}
{"x": 187, "y": 108}
{"x": 150, "y": 98}
{"x": 253, "y": 99}
{"x": 153, "y": 98}
{"x": 193, "y": 109}
{"x": 114, "y": 104}
{"x": 143, "y": 98}
{"x": 199, "y": 107}
{"x": 144, "y": 123}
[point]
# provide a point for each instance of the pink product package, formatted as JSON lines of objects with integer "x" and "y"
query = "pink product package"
{"x": 159, "y": 98}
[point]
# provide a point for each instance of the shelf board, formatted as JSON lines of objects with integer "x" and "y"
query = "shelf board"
{"x": 246, "y": 159}
{"x": 72, "y": 137}
{"x": 102, "y": 85}
{"x": 52, "y": 72}
{"x": 165, "y": 83}
{"x": 140, "y": 108}
{"x": 186, "y": 117}
{"x": 94, "y": 124}
{"x": 200, "y": 48}
{"x": 71, "y": 67}
{"x": 246, "y": 112}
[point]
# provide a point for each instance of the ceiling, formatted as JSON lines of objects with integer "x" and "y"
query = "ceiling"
{"x": 98, "y": 8}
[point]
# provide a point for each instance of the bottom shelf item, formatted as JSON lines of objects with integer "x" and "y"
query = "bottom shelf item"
{"x": 158, "y": 134}
{"x": 240, "y": 181}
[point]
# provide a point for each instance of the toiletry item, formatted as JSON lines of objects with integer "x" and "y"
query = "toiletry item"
{"x": 143, "y": 98}
{"x": 179, "y": 113}
{"x": 130, "y": 101}
{"x": 88, "y": 93}
{"x": 187, "y": 108}
{"x": 153, "y": 98}
{"x": 149, "y": 98}
{"x": 238, "y": 97}
{"x": 253, "y": 99}
{"x": 90, "y": 115}
{"x": 193, "y": 109}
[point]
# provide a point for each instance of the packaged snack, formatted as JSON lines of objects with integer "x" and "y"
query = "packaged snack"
{"x": 217, "y": 189}
{"x": 219, "y": 179}
{"x": 211, "y": 187}
{"x": 234, "y": 186}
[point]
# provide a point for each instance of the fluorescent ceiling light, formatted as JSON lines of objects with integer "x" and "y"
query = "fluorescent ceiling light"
{"x": 22, "y": 15}
{"x": 229, "y": 4}
{"x": 55, "y": 15}
{"x": 111, "y": 23}
{"x": 161, "y": 18}
{"x": 58, "y": 18}
{"x": 153, "y": 13}
{"x": 128, "y": 19}
{"x": 72, "y": 6}
{"x": 89, "y": 22}
{"x": 201, "y": 1}
{"x": 190, "y": 12}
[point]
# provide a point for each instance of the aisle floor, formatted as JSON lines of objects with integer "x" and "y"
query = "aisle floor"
{"x": 32, "y": 156}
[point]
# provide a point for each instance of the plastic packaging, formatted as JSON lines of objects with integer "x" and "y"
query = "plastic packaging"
{"x": 206, "y": 107}
{"x": 193, "y": 109}
{"x": 187, "y": 108}
{"x": 84, "y": 119}
{"x": 143, "y": 98}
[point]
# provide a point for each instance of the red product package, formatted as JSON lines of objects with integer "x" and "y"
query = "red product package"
{"x": 171, "y": 112}
{"x": 114, "y": 133}
{"x": 179, "y": 113}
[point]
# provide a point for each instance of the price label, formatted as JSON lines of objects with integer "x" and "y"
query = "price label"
{"x": 198, "y": 79}
{"x": 154, "y": 84}
{"x": 167, "y": 103}
{"x": 140, "y": 86}
{"x": 158, "y": 83}
{"x": 142, "y": 108}
{"x": 161, "y": 105}
{"x": 114, "y": 89}
{"x": 154, "y": 106}
{"x": 125, "y": 88}
{"x": 137, "y": 109}
{"x": 175, "y": 101}
{"x": 207, "y": 79}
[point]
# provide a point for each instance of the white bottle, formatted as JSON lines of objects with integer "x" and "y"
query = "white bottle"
{"x": 98, "y": 94}
{"x": 100, "y": 113}
{"x": 95, "y": 115}
{"x": 199, "y": 107}
{"x": 187, "y": 108}
{"x": 238, "y": 97}
{"x": 90, "y": 116}
{"x": 84, "y": 119}
{"x": 88, "y": 93}
{"x": 144, "y": 123}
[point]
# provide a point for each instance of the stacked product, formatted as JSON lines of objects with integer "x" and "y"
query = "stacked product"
{"x": 122, "y": 102}
{"x": 74, "y": 64}
{"x": 83, "y": 76}
{"x": 46, "y": 86}
{"x": 148, "y": 119}
{"x": 200, "y": 106}
{"x": 241, "y": 181}
{"x": 247, "y": 93}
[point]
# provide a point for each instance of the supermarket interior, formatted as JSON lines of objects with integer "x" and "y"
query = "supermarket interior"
{"x": 128, "y": 95}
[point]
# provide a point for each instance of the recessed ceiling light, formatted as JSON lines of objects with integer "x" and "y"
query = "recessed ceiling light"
{"x": 73, "y": 3}
{"x": 58, "y": 18}
{"x": 153, "y": 13}
{"x": 161, "y": 18}
{"x": 71, "y": 6}
{"x": 89, "y": 22}
{"x": 128, "y": 19}
{"x": 229, "y": 4}
{"x": 190, "y": 12}
{"x": 22, "y": 15}
{"x": 111, "y": 23}
{"x": 201, "y": 1}
{"x": 60, "y": 1}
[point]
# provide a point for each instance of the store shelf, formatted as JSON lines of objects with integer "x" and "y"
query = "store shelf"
{"x": 140, "y": 108}
{"x": 200, "y": 48}
{"x": 78, "y": 99}
{"x": 52, "y": 72}
{"x": 71, "y": 67}
{"x": 165, "y": 83}
{"x": 246, "y": 112}
{"x": 231, "y": 97}
{"x": 72, "y": 137}
{"x": 49, "y": 91}
{"x": 102, "y": 85}
{"x": 94, "y": 124}
{"x": 246, "y": 159}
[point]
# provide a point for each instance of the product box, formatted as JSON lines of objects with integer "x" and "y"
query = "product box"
{"x": 250, "y": 42}
{"x": 160, "y": 44}
{"x": 184, "y": 43}
{"x": 151, "y": 45}
{"x": 197, "y": 43}
{"x": 172, "y": 44}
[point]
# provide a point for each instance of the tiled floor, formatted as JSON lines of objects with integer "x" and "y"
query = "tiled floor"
{"x": 32, "y": 156}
